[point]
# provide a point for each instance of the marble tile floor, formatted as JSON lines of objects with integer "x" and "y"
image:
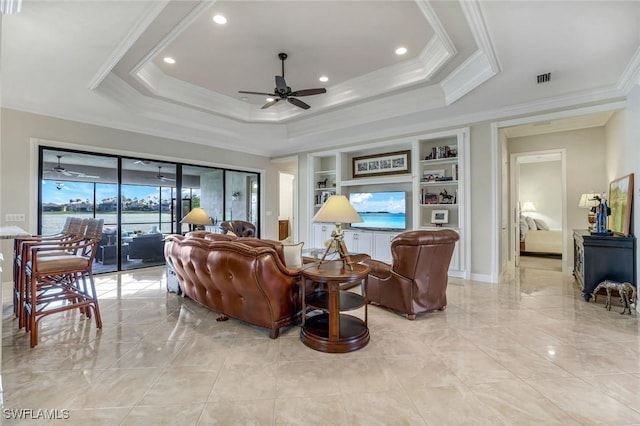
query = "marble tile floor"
{"x": 527, "y": 351}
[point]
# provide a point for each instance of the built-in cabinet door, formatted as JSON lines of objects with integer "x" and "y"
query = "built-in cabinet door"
{"x": 358, "y": 242}
{"x": 382, "y": 246}
{"x": 321, "y": 233}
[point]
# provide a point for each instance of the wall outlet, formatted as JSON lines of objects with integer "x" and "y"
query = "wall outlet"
{"x": 14, "y": 217}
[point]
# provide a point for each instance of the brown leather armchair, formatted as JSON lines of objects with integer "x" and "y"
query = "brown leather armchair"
{"x": 239, "y": 227}
{"x": 417, "y": 280}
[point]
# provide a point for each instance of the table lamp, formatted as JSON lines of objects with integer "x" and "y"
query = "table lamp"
{"x": 528, "y": 206}
{"x": 338, "y": 209}
{"x": 197, "y": 217}
{"x": 590, "y": 201}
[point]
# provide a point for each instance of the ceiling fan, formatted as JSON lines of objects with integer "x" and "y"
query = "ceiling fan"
{"x": 58, "y": 169}
{"x": 283, "y": 92}
{"x": 162, "y": 177}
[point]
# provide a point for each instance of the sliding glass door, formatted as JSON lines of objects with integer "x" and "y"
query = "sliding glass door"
{"x": 140, "y": 200}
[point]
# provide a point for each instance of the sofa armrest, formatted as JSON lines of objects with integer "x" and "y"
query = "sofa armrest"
{"x": 379, "y": 269}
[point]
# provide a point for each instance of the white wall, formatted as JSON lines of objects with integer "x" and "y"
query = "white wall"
{"x": 585, "y": 168}
{"x": 540, "y": 183}
{"x": 623, "y": 153}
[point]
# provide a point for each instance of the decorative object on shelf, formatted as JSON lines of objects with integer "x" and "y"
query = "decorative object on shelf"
{"x": 429, "y": 197}
{"x": 439, "y": 152}
{"x": 432, "y": 175}
{"x": 454, "y": 171}
{"x": 323, "y": 183}
{"x": 338, "y": 210}
{"x": 589, "y": 201}
{"x": 197, "y": 217}
{"x": 446, "y": 198}
{"x": 620, "y": 199}
{"x": 382, "y": 164}
{"x": 439, "y": 217}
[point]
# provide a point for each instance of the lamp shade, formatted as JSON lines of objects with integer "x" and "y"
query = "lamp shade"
{"x": 528, "y": 206}
{"x": 337, "y": 209}
{"x": 588, "y": 200}
{"x": 197, "y": 216}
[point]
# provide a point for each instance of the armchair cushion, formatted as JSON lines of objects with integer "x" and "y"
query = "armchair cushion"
{"x": 293, "y": 255}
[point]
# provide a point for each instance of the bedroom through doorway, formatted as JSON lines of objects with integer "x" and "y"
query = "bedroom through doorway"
{"x": 539, "y": 188}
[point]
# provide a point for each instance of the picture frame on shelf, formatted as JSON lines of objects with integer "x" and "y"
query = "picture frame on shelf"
{"x": 429, "y": 197}
{"x": 432, "y": 175}
{"x": 382, "y": 164}
{"x": 439, "y": 217}
{"x": 620, "y": 199}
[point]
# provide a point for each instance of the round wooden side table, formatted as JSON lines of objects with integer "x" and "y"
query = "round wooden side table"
{"x": 334, "y": 331}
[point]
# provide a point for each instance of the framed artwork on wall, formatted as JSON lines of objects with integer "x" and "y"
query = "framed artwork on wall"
{"x": 382, "y": 164}
{"x": 620, "y": 199}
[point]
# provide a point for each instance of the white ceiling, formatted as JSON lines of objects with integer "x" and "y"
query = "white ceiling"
{"x": 101, "y": 62}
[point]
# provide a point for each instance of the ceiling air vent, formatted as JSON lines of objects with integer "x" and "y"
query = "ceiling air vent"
{"x": 544, "y": 78}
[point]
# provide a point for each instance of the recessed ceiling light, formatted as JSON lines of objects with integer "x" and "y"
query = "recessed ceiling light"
{"x": 219, "y": 19}
{"x": 270, "y": 99}
{"x": 169, "y": 60}
{"x": 324, "y": 79}
{"x": 244, "y": 99}
{"x": 401, "y": 50}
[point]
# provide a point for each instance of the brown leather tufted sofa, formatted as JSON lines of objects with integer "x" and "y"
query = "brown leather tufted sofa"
{"x": 242, "y": 278}
{"x": 417, "y": 280}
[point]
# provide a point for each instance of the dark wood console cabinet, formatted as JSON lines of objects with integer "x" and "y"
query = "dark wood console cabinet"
{"x": 597, "y": 258}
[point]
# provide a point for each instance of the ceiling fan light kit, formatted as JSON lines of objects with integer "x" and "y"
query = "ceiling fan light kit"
{"x": 284, "y": 92}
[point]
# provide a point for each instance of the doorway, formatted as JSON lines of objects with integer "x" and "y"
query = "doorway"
{"x": 538, "y": 200}
{"x": 286, "y": 205}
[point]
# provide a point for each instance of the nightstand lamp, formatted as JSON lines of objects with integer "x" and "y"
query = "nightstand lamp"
{"x": 590, "y": 201}
{"x": 197, "y": 217}
{"x": 528, "y": 206}
{"x": 338, "y": 209}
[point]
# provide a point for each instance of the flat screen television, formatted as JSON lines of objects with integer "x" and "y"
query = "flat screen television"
{"x": 380, "y": 210}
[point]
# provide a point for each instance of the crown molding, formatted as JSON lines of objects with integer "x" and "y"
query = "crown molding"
{"x": 436, "y": 53}
{"x": 469, "y": 75}
{"x": 420, "y": 69}
{"x": 631, "y": 75}
{"x": 422, "y": 121}
{"x": 194, "y": 14}
{"x": 475, "y": 18}
{"x": 438, "y": 28}
{"x": 147, "y": 17}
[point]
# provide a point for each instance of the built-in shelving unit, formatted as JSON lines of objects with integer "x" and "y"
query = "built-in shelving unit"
{"x": 436, "y": 185}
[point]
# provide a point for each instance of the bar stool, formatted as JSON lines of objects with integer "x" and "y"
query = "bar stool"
{"x": 62, "y": 282}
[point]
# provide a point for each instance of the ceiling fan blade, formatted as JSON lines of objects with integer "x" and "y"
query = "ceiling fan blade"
{"x": 308, "y": 92}
{"x": 256, "y": 93}
{"x": 281, "y": 85}
{"x": 298, "y": 103}
{"x": 270, "y": 104}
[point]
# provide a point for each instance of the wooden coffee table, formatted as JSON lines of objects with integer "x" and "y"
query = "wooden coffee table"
{"x": 334, "y": 331}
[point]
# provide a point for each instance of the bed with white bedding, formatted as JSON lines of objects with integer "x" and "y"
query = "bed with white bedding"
{"x": 536, "y": 237}
{"x": 539, "y": 241}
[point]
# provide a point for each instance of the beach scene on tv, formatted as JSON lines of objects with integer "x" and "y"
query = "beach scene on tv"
{"x": 380, "y": 210}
